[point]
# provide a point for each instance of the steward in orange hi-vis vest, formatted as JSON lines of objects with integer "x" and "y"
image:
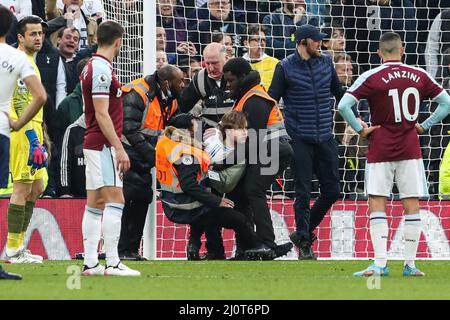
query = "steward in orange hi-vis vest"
{"x": 182, "y": 170}
{"x": 155, "y": 116}
{"x": 269, "y": 152}
{"x": 275, "y": 123}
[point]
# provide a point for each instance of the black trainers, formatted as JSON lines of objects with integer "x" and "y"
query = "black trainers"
{"x": 213, "y": 256}
{"x": 192, "y": 252}
{"x": 239, "y": 255}
{"x": 283, "y": 249}
{"x": 9, "y": 276}
{"x": 305, "y": 252}
{"x": 131, "y": 256}
{"x": 260, "y": 253}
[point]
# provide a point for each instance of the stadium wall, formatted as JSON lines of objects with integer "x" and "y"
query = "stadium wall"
{"x": 55, "y": 230}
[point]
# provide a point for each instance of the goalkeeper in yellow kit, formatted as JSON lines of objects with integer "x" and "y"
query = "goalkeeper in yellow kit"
{"x": 27, "y": 156}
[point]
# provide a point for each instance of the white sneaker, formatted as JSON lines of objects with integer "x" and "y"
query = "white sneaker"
{"x": 21, "y": 258}
{"x": 121, "y": 270}
{"x": 97, "y": 270}
{"x": 27, "y": 253}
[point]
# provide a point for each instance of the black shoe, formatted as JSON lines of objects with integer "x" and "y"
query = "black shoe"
{"x": 295, "y": 238}
{"x": 131, "y": 256}
{"x": 239, "y": 255}
{"x": 192, "y": 252}
{"x": 9, "y": 276}
{"x": 305, "y": 252}
{"x": 260, "y": 253}
{"x": 213, "y": 256}
{"x": 283, "y": 249}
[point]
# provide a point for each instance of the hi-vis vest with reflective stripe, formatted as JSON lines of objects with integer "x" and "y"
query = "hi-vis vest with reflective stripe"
{"x": 168, "y": 152}
{"x": 275, "y": 123}
{"x": 152, "y": 122}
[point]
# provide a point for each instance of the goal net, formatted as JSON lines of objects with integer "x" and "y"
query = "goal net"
{"x": 353, "y": 28}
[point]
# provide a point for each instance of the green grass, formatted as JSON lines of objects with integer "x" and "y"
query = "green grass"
{"x": 230, "y": 280}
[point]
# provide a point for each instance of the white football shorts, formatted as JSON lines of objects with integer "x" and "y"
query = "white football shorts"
{"x": 101, "y": 169}
{"x": 409, "y": 175}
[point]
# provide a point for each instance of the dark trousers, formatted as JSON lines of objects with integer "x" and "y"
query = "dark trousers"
{"x": 138, "y": 195}
{"x": 321, "y": 159}
{"x": 250, "y": 198}
{"x": 212, "y": 222}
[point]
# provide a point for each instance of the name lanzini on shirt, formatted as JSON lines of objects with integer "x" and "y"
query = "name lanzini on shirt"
{"x": 401, "y": 74}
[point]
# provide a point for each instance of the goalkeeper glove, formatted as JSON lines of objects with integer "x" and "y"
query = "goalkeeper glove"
{"x": 37, "y": 158}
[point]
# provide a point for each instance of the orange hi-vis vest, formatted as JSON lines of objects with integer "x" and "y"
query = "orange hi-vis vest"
{"x": 275, "y": 123}
{"x": 153, "y": 120}
{"x": 168, "y": 153}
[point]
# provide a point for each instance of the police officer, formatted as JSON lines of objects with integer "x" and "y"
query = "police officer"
{"x": 182, "y": 170}
{"x": 148, "y": 104}
{"x": 209, "y": 86}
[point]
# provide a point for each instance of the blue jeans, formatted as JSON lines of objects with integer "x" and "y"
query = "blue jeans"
{"x": 321, "y": 159}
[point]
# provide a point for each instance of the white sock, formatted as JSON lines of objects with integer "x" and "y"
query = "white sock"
{"x": 112, "y": 220}
{"x": 92, "y": 231}
{"x": 411, "y": 232}
{"x": 379, "y": 232}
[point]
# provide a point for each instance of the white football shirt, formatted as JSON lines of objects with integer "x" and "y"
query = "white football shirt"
{"x": 14, "y": 66}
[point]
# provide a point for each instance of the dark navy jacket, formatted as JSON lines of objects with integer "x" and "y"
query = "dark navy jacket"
{"x": 306, "y": 87}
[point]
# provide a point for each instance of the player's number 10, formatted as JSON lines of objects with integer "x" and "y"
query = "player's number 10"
{"x": 405, "y": 108}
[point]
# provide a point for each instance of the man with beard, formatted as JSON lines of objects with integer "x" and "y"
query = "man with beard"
{"x": 148, "y": 104}
{"x": 305, "y": 81}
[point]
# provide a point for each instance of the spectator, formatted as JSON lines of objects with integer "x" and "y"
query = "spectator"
{"x": 20, "y": 8}
{"x": 320, "y": 9}
{"x": 161, "y": 59}
{"x": 91, "y": 8}
{"x": 189, "y": 67}
{"x": 437, "y": 42}
{"x": 221, "y": 18}
{"x": 73, "y": 168}
{"x": 282, "y": 24}
{"x": 305, "y": 80}
{"x": 161, "y": 44}
{"x": 175, "y": 27}
{"x": 210, "y": 87}
{"x": 71, "y": 108}
{"x": 148, "y": 105}
{"x": 261, "y": 62}
{"x": 364, "y": 25}
{"x": 68, "y": 40}
{"x": 227, "y": 41}
{"x": 334, "y": 42}
{"x": 71, "y": 16}
{"x": 352, "y": 148}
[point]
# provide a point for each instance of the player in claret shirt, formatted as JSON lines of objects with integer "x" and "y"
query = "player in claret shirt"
{"x": 394, "y": 92}
{"x": 106, "y": 159}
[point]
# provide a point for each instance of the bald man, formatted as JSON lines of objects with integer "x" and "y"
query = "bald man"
{"x": 209, "y": 87}
{"x": 148, "y": 104}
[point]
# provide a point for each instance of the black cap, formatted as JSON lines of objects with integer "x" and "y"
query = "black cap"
{"x": 308, "y": 31}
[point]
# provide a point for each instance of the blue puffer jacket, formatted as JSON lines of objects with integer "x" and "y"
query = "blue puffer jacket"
{"x": 308, "y": 87}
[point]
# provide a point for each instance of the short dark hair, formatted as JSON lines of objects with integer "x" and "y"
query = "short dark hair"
{"x": 182, "y": 121}
{"x": 22, "y": 26}
{"x": 238, "y": 67}
{"x": 6, "y": 20}
{"x": 81, "y": 64}
{"x": 61, "y": 31}
{"x": 255, "y": 28}
{"x": 108, "y": 32}
{"x": 390, "y": 42}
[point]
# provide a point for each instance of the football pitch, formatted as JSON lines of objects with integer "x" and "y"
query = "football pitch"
{"x": 228, "y": 280}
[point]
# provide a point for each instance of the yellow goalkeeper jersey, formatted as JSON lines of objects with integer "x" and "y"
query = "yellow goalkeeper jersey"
{"x": 266, "y": 68}
{"x": 22, "y": 98}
